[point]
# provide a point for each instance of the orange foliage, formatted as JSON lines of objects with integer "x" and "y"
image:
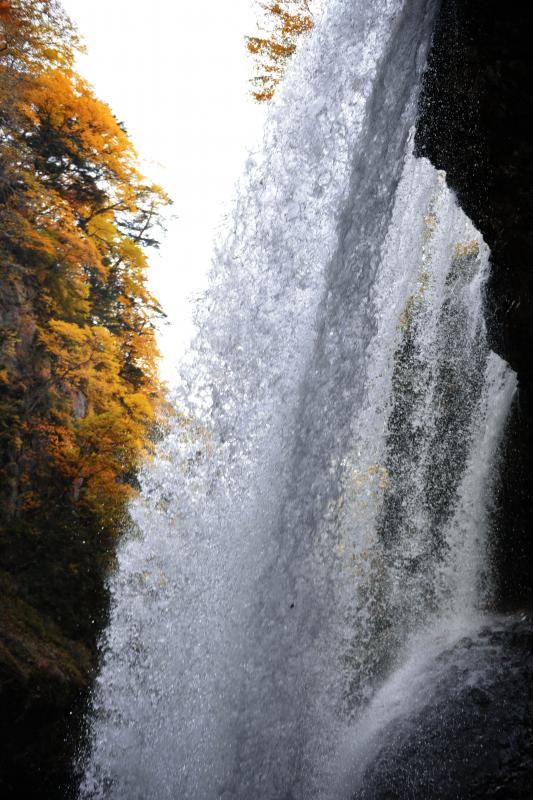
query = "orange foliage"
{"x": 79, "y": 388}
{"x": 285, "y": 23}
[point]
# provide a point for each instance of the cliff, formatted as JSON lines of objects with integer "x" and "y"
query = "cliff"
{"x": 469, "y": 733}
{"x": 474, "y": 123}
{"x": 79, "y": 389}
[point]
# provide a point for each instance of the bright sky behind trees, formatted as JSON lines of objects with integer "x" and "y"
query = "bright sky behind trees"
{"x": 176, "y": 73}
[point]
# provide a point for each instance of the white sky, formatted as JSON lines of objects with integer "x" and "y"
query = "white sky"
{"x": 176, "y": 73}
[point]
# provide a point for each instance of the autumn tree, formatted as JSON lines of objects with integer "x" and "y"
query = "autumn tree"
{"x": 284, "y": 23}
{"x": 80, "y": 396}
{"x": 79, "y": 387}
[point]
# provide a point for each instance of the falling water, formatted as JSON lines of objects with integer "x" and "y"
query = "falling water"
{"x": 323, "y": 496}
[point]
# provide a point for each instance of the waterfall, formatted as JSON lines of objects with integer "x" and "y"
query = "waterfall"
{"x": 323, "y": 495}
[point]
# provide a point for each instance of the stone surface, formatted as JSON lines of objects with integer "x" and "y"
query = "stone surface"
{"x": 473, "y": 736}
{"x": 475, "y": 123}
{"x": 44, "y": 682}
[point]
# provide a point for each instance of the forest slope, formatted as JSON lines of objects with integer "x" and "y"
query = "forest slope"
{"x": 79, "y": 388}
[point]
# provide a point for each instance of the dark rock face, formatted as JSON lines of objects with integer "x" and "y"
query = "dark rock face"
{"x": 468, "y": 733}
{"x": 44, "y": 685}
{"x": 475, "y": 123}
{"x": 472, "y": 737}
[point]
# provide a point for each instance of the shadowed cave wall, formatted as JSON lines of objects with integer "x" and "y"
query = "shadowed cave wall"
{"x": 475, "y": 737}
{"x": 475, "y": 123}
